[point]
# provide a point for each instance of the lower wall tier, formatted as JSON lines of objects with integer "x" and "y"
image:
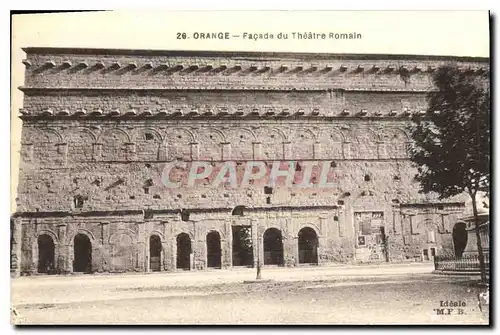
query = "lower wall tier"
{"x": 144, "y": 242}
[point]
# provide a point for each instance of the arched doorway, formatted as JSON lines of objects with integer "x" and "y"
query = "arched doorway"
{"x": 459, "y": 238}
{"x": 183, "y": 251}
{"x": 83, "y": 254}
{"x": 46, "y": 254}
{"x": 308, "y": 246}
{"x": 214, "y": 252}
{"x": 154, "y": 253}
{"x": 273, "y": 247}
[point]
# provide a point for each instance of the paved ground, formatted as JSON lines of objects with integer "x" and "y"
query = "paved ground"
{"x": 394, "y": 294}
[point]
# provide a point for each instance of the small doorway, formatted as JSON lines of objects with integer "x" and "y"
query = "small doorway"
{"x": 155, "y": 253}
{"x": 214, "y": 252}
{"x": 82, "y": 254}
{"x": 459, "y": 238}
{"x": 183, "y": 251}
{"x": 46, "y": 254}
{"x": 308, "y": 246}
{"x": 273, "y": 247}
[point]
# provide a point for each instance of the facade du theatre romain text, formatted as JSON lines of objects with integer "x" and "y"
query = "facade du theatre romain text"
{"x": 105, "y": 132}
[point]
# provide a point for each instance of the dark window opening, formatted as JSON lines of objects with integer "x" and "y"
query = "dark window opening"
{"x": 149, "y": 136}
{"x": 347, "y": 194}
{"x": 156, "y": 196}
{"x": 184, "y": 216}
{"x": 367, "y": 177}
{"x": 179, "y": 196}
{"x": 397, "y": 178}
{"x": 79, "y": 201}
{"x": 298, "y": 167}
{"x": 433, "y": 252}
{"x": 440, "y": 207}
{"x": 340, "y": 202}
{"x": 146, "y": 190}
{"x": 268, "y": 190}
{"x": 335, "y": 218}
{"x": 132, "y": 197}
{"x": 238, "y": 210}
{"x": 333, "y": 164}
{"x": 148, "y": 165}
{"x": 268, "y": 200}
{"x": 148, "y": 214}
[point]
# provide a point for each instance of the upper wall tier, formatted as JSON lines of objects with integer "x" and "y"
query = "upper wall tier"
{"x": 135, "y": 69}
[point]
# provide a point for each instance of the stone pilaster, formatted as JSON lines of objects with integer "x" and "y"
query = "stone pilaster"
{"x": 62, "y": 151}
{"x": 16, "y": 251}
{"x": 290, "y": 250}
{"x": 96, "y": 151}
{"x": 287, "y": 149}
{"x": 130, "y": 152}
{"x": 65, "y": 247}
{"x": 195, "y": 151}
{"x": 346, "y": 150}
{"x": 227, "y": 246}
{"x": 257, "y": 150}
{"x": 396, "y": 218}
{"x": 141, "y": 248}
{"x": 171, "y": 246}
{"x": 198, "y": 247}
{"x": 381, "y": 150}
{"x": 226, "y": 151}
{"x": 257, "y": 243}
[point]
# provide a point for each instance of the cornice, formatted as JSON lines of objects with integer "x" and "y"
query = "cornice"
{"x": 247, "y": 112}
{"x": 244, "y": 54}
{"x": 233, "y": 68}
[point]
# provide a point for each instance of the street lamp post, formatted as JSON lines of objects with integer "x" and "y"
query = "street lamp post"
{"x": 259, "y": 275}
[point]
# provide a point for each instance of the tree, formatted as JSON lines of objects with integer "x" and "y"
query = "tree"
{"x": 451, "y": 141}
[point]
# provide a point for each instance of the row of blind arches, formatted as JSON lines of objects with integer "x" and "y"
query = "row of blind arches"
{"x": 213, "y": 144}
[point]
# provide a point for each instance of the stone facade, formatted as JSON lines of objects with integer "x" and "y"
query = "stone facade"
{"x": 99, "y": 126}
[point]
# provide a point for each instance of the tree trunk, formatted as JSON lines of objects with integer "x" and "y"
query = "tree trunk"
{"x": 482, "y": 266}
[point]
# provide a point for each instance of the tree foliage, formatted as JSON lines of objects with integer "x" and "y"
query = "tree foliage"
{"x": 451, "y": 142}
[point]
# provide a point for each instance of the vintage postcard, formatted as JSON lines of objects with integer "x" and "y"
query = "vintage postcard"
{"x": 242, "y": 168}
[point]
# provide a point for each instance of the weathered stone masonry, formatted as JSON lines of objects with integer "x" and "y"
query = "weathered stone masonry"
{"x": 99, "y": 126}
